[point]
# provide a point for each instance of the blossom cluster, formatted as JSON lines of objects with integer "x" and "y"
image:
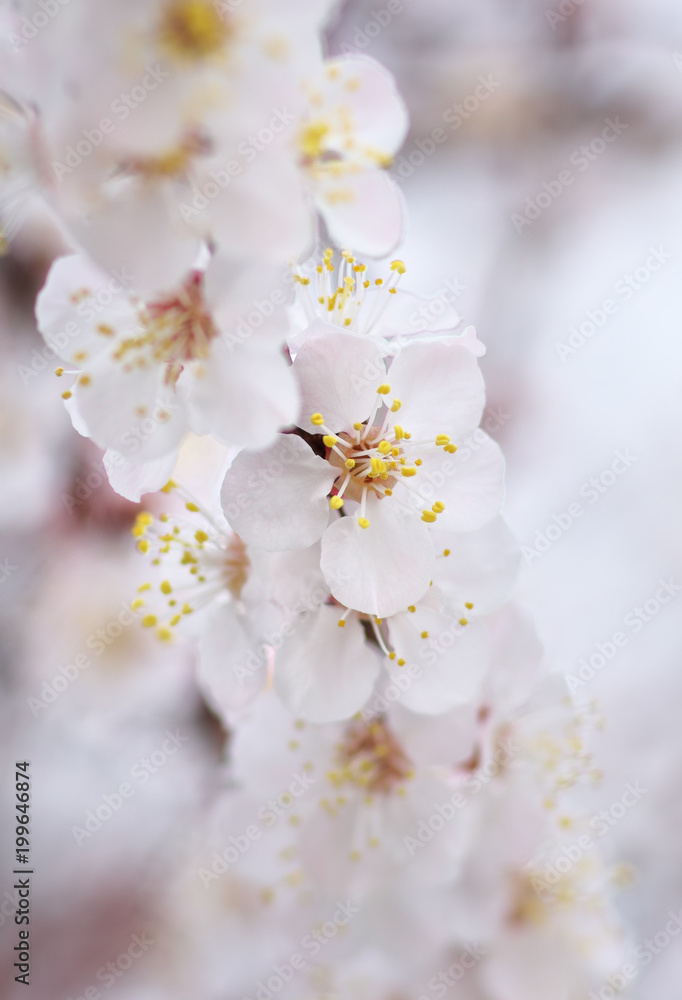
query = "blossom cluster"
{"x": 395, "y": 737}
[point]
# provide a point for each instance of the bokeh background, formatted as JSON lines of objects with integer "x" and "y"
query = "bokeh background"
{"x": 565, "y": 250}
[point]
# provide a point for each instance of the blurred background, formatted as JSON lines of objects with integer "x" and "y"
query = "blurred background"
{"x": 542, "y": 173}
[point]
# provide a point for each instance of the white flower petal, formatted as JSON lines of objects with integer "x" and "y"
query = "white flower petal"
{"x": 366, "y": 90}
{"x": 324, "y": 673}
{"x": 381, "y": 569}
{"x": 448, "y": 738}
{"x": 77, "y": 299}
{"x": 232, "y": 667}
{"x": 277, "y": 499}
{"x": 482, "y": 566}
{"x": 244, "y": 394}
{"x": 469, "y": 483}
{"x": 363, "y": 209}
{"x": 131, "y": 479}
{"x": 517, "y": 658}
{"x": 452, "y": 659}
{"x": 338, "y": 374}
{"x": 441, "y": 390}
{"x": 133, "y": 412}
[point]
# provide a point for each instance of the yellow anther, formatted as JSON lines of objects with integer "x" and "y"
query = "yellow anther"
{"x": 464, "y": 621}
{"x": 428, "y": 516}
{"x": 201, "y": 536}
{"x": 143, "y": 545}
{"x": 347, "y": 321}
{"x": 397, "y": 265}
{"x": 366, "y": 284}
{"x": 170, "y": 485}
{"x": 191, "y": 506}
{"x": 317, "y": 419}
{"x": 384, "y": 447}
{"x": 438, "y": 507}
{"x": 166, "y": 587}
{"x": 407, "y": 435}
{"x": 67, "y": 394}
{"x": 358, "y": 426}
{"x": 187, "y": 610}
{"x": 388, "y": 492}
{"x": 143, "y": 587}
{"x": 336, "y": 503}
{"x": 363, "y": 522}
{"x": 175, "y": 619}
{"x": 450, "y": 448}
{"x": 341, "y": 623}
{"x": 401, "y": 663}
{"x": 417, "y": 461}
{"x": 84, "y": 379}
{"x": 398, "y": 432}
{"x": 408, "y": 470}
{"x": 164, "y": 634}
{"x": 395, "y": 406}
{"x": 350, "y": 463}
{"x": 149, "y": 621}
{"x": 377, "y": 467}
{"x": 59, "y": 371}
{"x": 393, "y": 291}
{"x": 412, "y": 608}
{"x": 442, "y": 440}
{"x": 425, "y": 635}
{"x": 379, "y": 281}
{"x": 446, "y": 552}
{"x": 329, "y": 440}
{"x": 137, "y": 604}
{"x": 391, "y": 656}
{"x": 468, "y": 605}
{"x": 384, "y": 389}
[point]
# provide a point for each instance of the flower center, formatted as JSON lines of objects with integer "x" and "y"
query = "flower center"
{"x": 175, "y": 330}
{"x": 376, "y": 459}
{"x": 192, "y": 30}
{"x": 175, "y": 162}
{"x": 371, "y": 758}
